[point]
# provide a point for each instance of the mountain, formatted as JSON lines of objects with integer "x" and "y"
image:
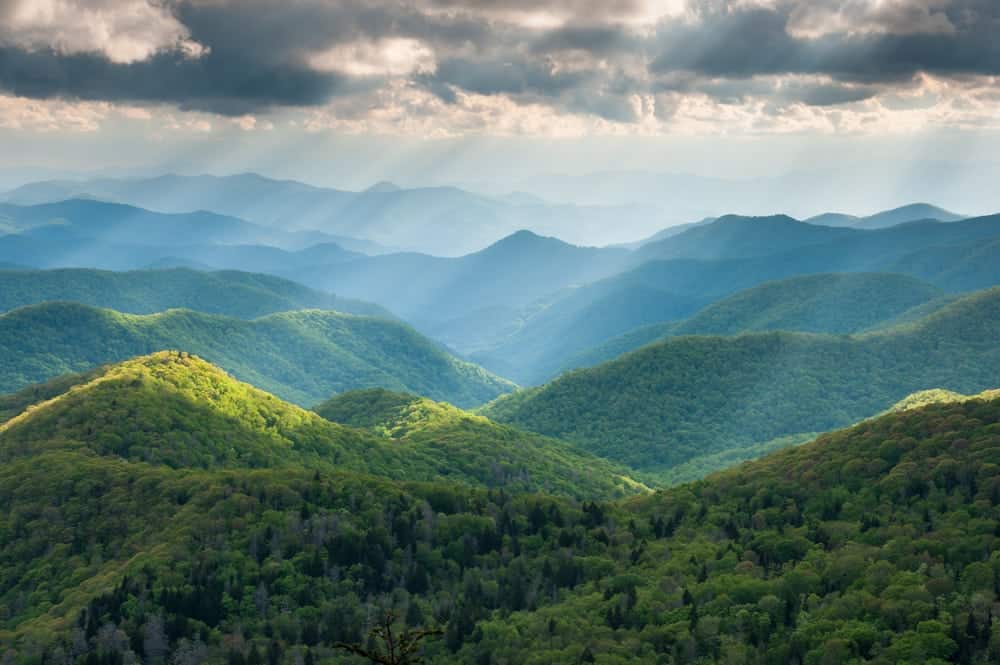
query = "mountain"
{"x": 238, "y": 294}
{"x": 442, "y": 296}
{"x": 873, "y": 544}
{"x": 910, "y": 213}
{"x": 808, "y": 248}
{"x": 684, "y": 397}
{"x": 668, "y": 232}
{"x": 444, "y": 221}
{"x": 579, "y": 320}
{"x": 278, "y": 203}
{"x": 175, "y": 409}
{"x": 833, "y": 219}
{"x": 735, "y": 237}
{"x": 130, "y": 225}
{"x": 64, "y": 249}
{"x": 304, "y": 356}
{"x": 959, "y": 267}
{"x": 915, "y": 212}
{"x": 834, "y": 303}
{"x": 473, "y": 445}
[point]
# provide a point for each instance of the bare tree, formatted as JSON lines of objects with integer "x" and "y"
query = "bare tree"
{"x": 392, "y": 648}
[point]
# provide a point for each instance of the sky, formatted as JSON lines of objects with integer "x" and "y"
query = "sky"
{"x": 495, "y": 92}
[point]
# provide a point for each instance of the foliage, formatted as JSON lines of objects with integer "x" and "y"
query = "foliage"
{"x": 473, "y": 446}
{"x": 703, "y": 465}
{"x": 685, "y": 397}
{"x": 303, "y": 356}
{"x": 844, "y": 303}
{"x": 831, "y": 303}
{"x": 242, "y": 295}
{"x": 174, "y": 409}
{"x": 875, "y": 544}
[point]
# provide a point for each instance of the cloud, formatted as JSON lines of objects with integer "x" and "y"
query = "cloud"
{"x": 123, "y": 31}
{"x": 884, "y": 46}
{"x": 616, "y": 62}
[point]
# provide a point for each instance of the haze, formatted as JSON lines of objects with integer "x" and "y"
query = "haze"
{"x": 850, "y": 106}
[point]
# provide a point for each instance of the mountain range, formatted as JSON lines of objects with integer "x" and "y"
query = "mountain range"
{"x": 439, "y": 220}
{"x": 304, "y": 356}
{"x": 685, "y": 397}
{"x": 231, "y": 293}
{"x": 162, "y": 503}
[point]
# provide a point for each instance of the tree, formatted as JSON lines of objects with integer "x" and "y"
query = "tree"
{"x": 392, "y": 648}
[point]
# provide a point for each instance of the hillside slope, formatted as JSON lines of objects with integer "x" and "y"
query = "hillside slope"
{"x": 689, "y": 396}
{"x": 872, "y": 545}
{"x": 304, "y": 356}
{"x": 586, "y": 329}
{"x": 174, "y": 409}
{"x": 240, "y": 294}
{"x": 837, "y": 303}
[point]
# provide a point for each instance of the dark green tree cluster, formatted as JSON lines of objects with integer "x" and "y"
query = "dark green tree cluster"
{"x": 875, "y": 544}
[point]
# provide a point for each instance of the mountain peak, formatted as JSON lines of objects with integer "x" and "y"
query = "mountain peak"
{"x": 383, "y": 187}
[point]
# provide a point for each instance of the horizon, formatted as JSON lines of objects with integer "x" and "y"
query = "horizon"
{"x": 845, "y": 106}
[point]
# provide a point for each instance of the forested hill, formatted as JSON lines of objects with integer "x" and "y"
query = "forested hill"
{"x": 872, "y": 545}
{"x": 603, "y": 320}
{"x": 240, "y": 294}
{"x": 834, "y": 303}
{"x": 177, "y": 410}
{"x": 689, "y": 396}
{"x": 303, "y": 356}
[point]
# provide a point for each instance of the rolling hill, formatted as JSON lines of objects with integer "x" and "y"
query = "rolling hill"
{"x": 835, "y": 303}
{"x": 956, "y": 257}
{"x": 65, "y": 249}
{"x": 913, "y": 212}
{"x": 174, "y": 409}
{"x": 129, "y": 225}
{"x": 685, "y": 397}
{"x": 874, "y": 544}
{"x": 809, "y": 248}
{"x": 737, "y": 237}
{"x": 239, "y": 294}
{"x": 608, "y": 318}
{"x": 473, "y": 445}
{"x": 304, "y": 356}
{"x": 434, "y": 293}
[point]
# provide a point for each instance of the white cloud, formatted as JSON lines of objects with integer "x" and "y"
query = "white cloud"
{"x": 124, "y": 31}
{"x": 853, "y": 17}
{"x": 386, "y": 57}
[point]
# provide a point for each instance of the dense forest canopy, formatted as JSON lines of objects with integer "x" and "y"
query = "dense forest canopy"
{"x": 872, "y": 544}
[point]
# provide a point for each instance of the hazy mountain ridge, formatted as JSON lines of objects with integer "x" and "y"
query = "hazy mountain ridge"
{"x": 439, "y": 220}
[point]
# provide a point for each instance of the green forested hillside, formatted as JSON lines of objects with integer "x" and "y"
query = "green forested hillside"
{"x": 690, "y": 396}
{"x": 473, "y": 445}
{"x": 174, "y": 409}
{"x": 835, "y": 303}
{"x": 547, "y": 341}
{"x": 872, "y": 545}
{"x": 830, "y": 303}
{"x": 239, "y": 294}
{"x": 303, "y": 356}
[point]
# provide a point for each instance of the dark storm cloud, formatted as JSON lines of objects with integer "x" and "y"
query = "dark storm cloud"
{"x": 224, "y": 85}
{"x": 257, "y": 52}
{"x": 757, "y": 41}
